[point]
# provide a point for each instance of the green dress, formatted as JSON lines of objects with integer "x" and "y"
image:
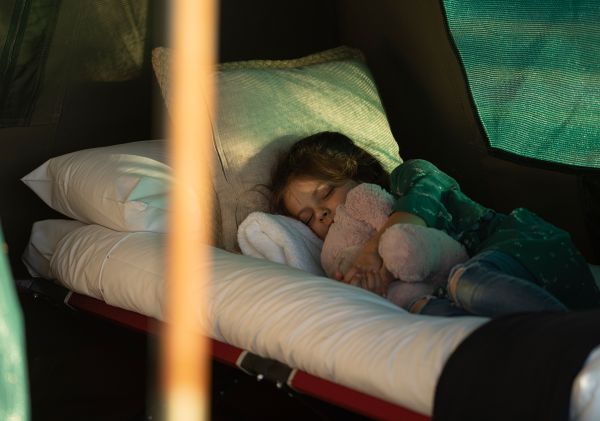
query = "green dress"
{"x": 546, "y": 251}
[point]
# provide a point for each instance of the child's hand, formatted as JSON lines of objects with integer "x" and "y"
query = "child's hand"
{"x": 366, "y": 271}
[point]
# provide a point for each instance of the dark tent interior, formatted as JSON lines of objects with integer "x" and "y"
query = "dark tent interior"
{"x": 83, "y": 79}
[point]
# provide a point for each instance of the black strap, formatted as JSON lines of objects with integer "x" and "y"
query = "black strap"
{"x": 519, "y": 367}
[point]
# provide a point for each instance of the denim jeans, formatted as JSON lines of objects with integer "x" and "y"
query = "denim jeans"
{"x": 492, "y": 284}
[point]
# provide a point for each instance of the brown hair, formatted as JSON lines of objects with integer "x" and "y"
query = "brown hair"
{"x": 328, "y": 156}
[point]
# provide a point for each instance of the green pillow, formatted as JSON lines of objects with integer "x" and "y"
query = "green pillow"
{"x": 263, "y": 106}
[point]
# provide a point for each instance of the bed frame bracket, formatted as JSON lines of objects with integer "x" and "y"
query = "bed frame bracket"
{"x": 265, "y": 368}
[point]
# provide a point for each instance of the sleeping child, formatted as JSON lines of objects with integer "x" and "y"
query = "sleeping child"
{"x": 420, "y": 241}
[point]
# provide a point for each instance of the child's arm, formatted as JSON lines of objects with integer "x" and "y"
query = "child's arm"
{"x": 368, "y": 263}
{"x": 420, "y": 188}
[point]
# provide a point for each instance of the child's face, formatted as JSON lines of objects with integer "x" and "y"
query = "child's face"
{"x": 314, "y": 202}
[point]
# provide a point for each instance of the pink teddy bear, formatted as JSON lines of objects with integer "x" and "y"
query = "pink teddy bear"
{"x": 418, "y": 257}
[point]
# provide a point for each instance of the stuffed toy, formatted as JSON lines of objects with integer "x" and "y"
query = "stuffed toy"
{"x": 419, "y": 258}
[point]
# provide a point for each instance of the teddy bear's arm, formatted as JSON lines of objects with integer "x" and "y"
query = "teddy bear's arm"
{"x": 414, "y": 253}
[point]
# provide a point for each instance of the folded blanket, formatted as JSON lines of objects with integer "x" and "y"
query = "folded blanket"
{"x": 281, "y": 239}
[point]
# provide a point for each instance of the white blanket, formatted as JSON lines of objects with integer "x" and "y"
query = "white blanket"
{"x": 281, "y": 239}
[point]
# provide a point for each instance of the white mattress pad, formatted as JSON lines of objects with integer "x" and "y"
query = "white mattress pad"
{"x": 329, "y": 329}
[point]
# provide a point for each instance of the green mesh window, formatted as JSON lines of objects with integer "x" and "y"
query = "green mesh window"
{"x": 533, "y": 67}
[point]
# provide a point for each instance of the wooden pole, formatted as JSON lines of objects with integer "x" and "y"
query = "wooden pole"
{"x": 186, "y": 368}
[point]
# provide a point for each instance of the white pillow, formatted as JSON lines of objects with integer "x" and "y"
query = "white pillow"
{"x": 44, "y": 237}
{"x": 123, "y": 187}
{"x": 124, "y": 269}
{"x": 263, "y": 106}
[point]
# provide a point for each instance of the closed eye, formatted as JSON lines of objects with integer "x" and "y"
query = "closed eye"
{"x": 306, "y": 220}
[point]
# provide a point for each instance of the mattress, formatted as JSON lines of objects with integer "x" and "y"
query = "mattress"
{"x": 328, "y": 329}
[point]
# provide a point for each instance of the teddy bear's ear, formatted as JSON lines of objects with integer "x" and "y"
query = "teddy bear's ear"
{"x": 370, "y": 204}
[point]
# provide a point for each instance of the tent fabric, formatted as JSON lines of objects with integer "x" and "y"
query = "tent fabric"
{"x": 14, "y": 388}
{"x": 45, "y": 43}
{"x": 26, "y": 28}
{"x": 534, "y": 75}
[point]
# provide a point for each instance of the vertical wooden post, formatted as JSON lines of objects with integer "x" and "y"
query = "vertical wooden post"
{"x": 186, "y": 368}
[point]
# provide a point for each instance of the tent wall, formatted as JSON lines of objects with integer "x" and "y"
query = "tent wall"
{"x": 424, "y": 91}
{"x": 271, "y": 29}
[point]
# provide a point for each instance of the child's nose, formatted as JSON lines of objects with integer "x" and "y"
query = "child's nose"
{"x": 326, "y": 216}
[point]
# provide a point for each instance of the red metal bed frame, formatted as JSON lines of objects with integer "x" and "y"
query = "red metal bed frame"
{"x": 298, "y": 380}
